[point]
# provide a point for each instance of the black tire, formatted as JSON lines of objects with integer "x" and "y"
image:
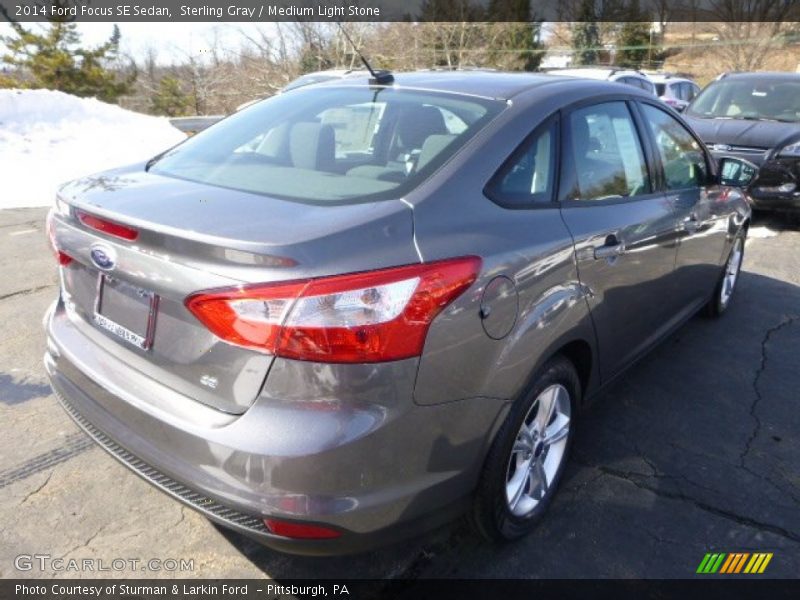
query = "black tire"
{"x": 491, "y": 515}
{"x": 717, "y": 305}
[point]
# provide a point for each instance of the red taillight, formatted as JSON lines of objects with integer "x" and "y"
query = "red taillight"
{"x": 363, "y": 317}
{"x": 109, "y": 227}
{"x": 300, "y": 530}
{"x": 62, "y": 257}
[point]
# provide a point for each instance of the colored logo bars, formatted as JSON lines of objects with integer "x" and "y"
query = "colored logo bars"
{"x": 735, "y": 562}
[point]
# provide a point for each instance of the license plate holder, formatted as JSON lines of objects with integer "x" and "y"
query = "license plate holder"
{"x": 126, "y": 311}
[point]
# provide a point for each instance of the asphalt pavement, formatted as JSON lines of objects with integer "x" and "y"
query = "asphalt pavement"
{"x": 695, "y": 450}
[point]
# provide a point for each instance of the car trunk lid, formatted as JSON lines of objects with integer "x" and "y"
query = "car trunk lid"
{"x": 192, "y": 237}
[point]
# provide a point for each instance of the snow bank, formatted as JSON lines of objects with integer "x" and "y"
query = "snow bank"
{"x": 47, "y": 138}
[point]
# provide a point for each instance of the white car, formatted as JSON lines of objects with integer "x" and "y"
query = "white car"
{"x": 677, "y": 92}
{"x": 321, "y": 76}
{"x": 629, "y": 76}
{"x": 309, "y": 79}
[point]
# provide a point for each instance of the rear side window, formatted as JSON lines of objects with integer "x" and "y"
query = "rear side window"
{"x": 675, "y": 91}
{"x": 646, "y": 85}
{"x": 528, "y": 176}
{"x": 682, "y": 157}
{"x": 607, "y": 153}
{"x": 332, "y": 144}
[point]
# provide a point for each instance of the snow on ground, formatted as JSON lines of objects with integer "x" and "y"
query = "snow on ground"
{"x": 48, "y": 138}
{"x": 761, "y": 231}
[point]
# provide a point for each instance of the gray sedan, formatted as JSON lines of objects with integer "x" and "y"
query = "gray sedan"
{"x": 355, "y": 310}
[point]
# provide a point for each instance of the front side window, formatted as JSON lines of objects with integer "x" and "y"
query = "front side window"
{"x": 682, "y": 157}
{"x": 332, "y": 144}
{"x": 606, "y": 153}
{"x": 528, "y": 177}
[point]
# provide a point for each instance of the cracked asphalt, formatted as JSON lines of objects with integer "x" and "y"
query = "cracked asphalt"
{"x": 695, "y": 450}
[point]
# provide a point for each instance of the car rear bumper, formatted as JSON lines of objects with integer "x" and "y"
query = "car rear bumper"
{"x": 373, "y": 465}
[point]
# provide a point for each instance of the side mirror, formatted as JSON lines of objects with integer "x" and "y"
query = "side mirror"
{"x": 736, "y": 171}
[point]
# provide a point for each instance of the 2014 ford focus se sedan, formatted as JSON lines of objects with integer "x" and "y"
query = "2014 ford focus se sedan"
{"x": 357, "y": 309}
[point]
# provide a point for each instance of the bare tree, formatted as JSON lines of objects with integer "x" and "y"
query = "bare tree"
{"x": 268, "y": 58}
{"x": 749, "y": 30}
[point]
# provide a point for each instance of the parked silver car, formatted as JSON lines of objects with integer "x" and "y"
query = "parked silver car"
{"x": 675, "y": 91}
{"x": 355, "y": 310}
{"x": 627, "y": 76}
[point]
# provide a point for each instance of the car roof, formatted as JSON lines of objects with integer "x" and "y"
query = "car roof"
{"x": 597, "y": 72}
{"x": 662, "y": 78}
{"x": 487, "y": 84}
{"x": 773, "y": 75}
{"x": 333, "y": 73}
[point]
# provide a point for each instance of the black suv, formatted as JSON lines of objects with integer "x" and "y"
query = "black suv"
{"x": 755, "y": 117}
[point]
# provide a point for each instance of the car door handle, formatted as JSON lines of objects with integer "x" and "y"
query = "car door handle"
{"x": 612, "y": 248}
{"x": 691, "y": 224}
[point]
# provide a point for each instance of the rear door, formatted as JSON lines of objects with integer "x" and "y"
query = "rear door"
{"x": 623, "y": 229}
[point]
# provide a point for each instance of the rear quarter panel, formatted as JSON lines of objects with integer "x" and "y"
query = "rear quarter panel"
{"x": 532, "y": 247}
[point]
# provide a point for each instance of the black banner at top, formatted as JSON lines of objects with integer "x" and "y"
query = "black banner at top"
{"x": 657, "y": 11}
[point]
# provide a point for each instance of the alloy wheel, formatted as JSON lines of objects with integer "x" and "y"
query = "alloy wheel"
{"x": 538, "y": 450}
{"x": 731, "y": 272}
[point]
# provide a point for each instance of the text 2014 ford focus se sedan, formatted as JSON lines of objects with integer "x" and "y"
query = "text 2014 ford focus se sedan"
{"x": 357, "y": 309}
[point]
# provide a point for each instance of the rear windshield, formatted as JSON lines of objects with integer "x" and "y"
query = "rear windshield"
{"x": 757, "y": 99}
{"x": 332, "y": 144}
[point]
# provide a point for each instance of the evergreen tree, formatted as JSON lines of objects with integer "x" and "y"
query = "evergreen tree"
{"x": 586, "y": 35}
{"x": 529, "y": 36}
{"x": 451, "y": 11}
{"x": 313, "y": 57}
{"x": 169, "y": 99}
{"x": 520, "y": 33}
{"x": 54, "y": 59}
{"x": 633, "y": 40}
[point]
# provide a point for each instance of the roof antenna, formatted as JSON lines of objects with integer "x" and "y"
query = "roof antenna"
{"x": 381, "y": 77}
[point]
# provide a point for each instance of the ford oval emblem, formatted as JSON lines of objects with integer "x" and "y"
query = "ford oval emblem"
{"x": 103, "y": 257}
